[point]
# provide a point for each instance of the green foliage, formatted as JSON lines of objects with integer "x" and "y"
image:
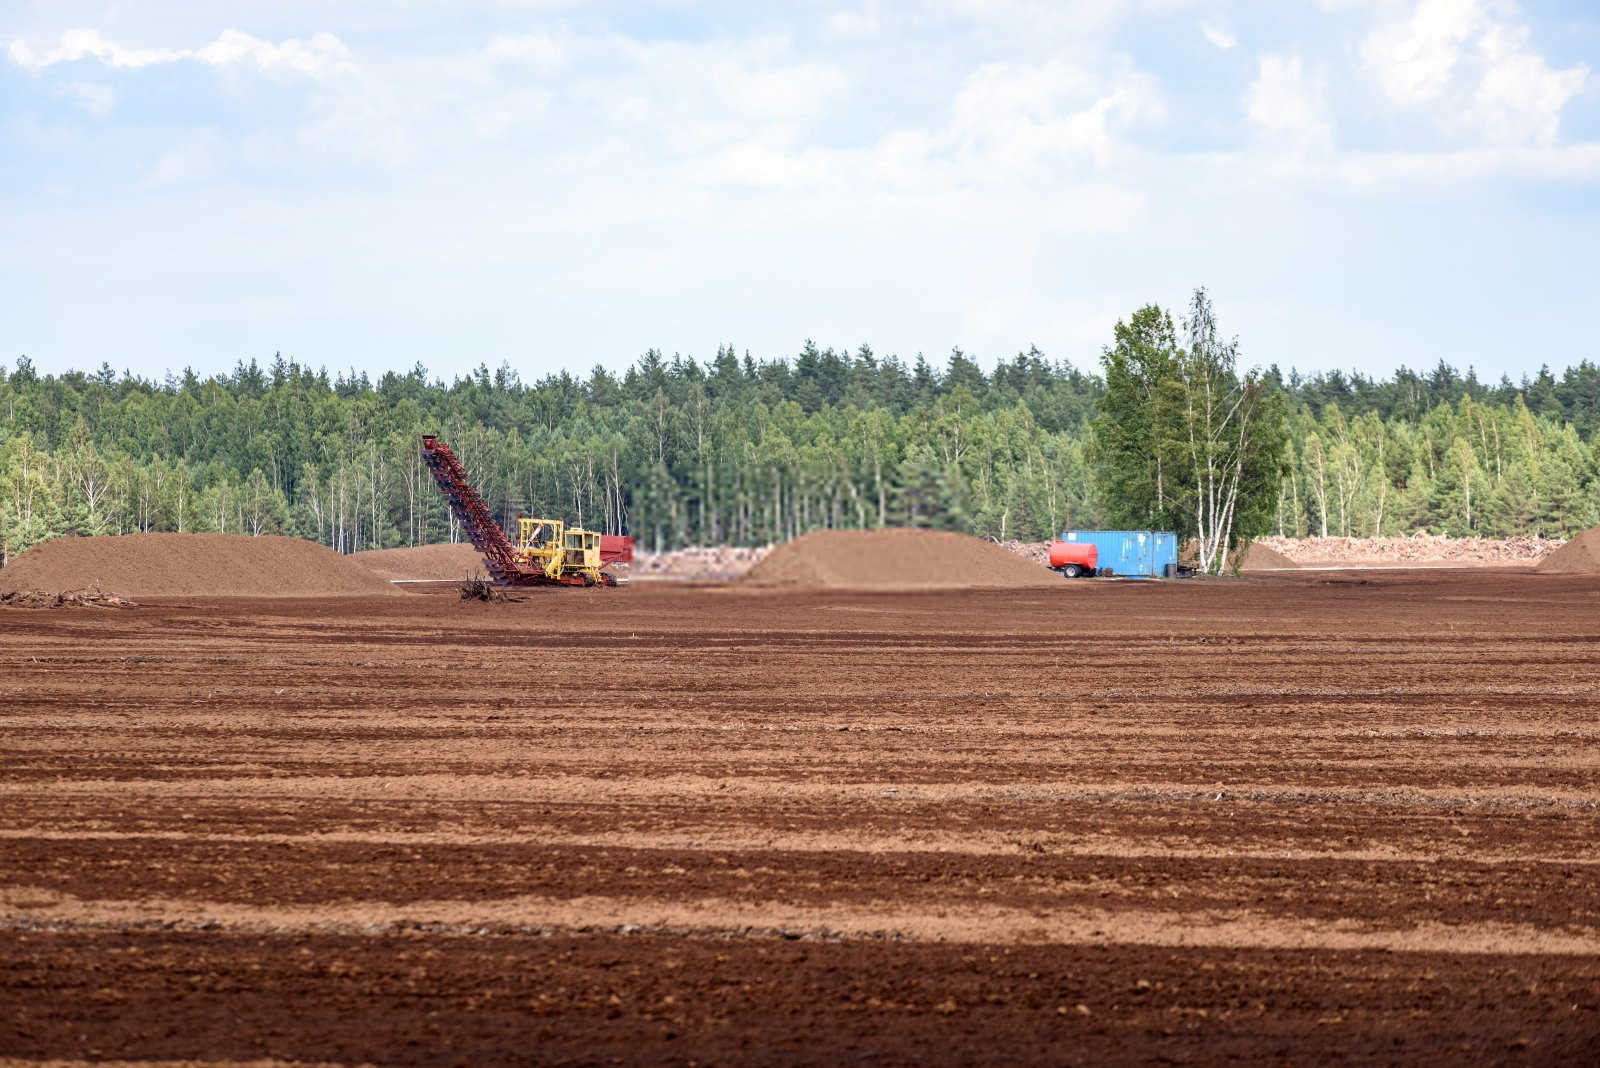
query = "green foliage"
{"x": 1130, "y": 438}
{"x": 673, "y": 451}
{"x": 736, "y": 450}
{"x": 1464, "y": 468}
{"x": 1182, "y": 441}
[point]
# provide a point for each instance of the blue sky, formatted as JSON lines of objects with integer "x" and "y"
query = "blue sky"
{"x": 1359, "y": 183}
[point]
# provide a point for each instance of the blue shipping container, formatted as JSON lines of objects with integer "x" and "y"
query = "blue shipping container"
{"x": 1131, "y": 552}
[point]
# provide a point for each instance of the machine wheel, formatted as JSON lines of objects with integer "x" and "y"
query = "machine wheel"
{"x": 1072, "y": 571}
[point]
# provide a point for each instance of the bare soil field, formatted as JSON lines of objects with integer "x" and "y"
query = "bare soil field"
{"x": 1305, "y": 817}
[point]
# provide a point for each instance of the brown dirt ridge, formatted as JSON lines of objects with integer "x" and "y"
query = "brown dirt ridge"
{"x": 190, "y": 565}
{"x": 438, "y": 562}
{"x": 894, "y": 559}
{"x": 1580, "y": 556}
{"x": 1259, "y": 557}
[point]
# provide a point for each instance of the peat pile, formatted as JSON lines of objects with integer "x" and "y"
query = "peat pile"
{"x": 1580, "y": 556}
{"x": 190, "y": 565}
{"x": 1259, "y": 557}
{"x": 442, "y": 561}
{"x": 895, "y": 559}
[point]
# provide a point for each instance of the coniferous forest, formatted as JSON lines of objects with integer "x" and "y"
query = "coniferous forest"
{"x": 738, "y": 450}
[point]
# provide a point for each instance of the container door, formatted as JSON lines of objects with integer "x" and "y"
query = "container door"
{"x": 1167, "y": 553}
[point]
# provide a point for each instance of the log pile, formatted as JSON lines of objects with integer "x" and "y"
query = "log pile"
{"x": 701, "y": 563}
{"x": 1420, "y": 547}
{"x": 1037, "y": 551}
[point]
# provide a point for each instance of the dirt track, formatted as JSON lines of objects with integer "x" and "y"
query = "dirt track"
{"x": 1306, "y": 818}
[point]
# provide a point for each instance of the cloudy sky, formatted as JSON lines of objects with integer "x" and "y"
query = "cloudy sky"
{"x": 1360, "y": 183}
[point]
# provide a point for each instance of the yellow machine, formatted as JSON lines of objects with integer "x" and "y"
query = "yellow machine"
{"x": 564, "y": 554}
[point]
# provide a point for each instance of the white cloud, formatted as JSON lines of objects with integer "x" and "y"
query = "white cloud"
{"x": 1044, "y": 17}
{"x": 1413, "y": 58}
{"x": 879, "y": 149}
{"x": 324, "y": 55}
{"x": 803, "y": 90}
{"x": 88, "y": 44}
{"x": 538, "y": 51}
{"x": 502, "y": 116}
{"x": 1019, "y": 142}
{"x": 854, "y": 24}
{"x": 97, "y": 100}
{"x": 321, "y": 56}
{"x": 1577, "y": 164}
{"x": 1472, "y": 68}
{"x": 1284, "y": 101}
{"x": 1520, "y": 98}
{"x": 1219, "y": 37}
{"x": 190, "y": 163}
{"x": 1016, "y": 116}
{"x": 676, "y": 100}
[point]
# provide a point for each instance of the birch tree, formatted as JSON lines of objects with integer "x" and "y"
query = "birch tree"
{"x": 1181, "y": 440}
{"x": 1229, "y": 441}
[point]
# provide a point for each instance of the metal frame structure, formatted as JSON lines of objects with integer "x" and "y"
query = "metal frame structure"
{"x": 547, "y": 553}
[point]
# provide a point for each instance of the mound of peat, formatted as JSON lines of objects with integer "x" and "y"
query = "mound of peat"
{"x": 1260, "y": 558}
{"x": 1580, "y": 556}
{"x": 894, "y": 559}
{"x": 442, "y": 561}
{"x": 190, "y": 565}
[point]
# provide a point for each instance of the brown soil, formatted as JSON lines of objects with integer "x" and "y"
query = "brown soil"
{"x": 436, "y": 562}
{"x": 1260, "y": 558}
{"x": 87, "y": 598}
{"x": 895, "y": 559}
{"x": 1580, "y": 556}
{"x": 1300, "y": 818}
{"x": 187, "y": 565}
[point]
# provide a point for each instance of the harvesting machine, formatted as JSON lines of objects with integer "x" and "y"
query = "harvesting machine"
{"x": 547, "y": 552}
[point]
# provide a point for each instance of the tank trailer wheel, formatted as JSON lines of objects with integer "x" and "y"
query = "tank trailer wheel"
{"x": 1072, "y": 571}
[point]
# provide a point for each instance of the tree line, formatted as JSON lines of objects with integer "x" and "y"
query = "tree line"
{"x": 742, "y": 450}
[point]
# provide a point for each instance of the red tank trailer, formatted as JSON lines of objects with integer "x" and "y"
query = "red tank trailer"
{"x": 1074, "y": 558}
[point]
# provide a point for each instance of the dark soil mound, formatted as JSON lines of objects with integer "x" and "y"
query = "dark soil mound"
{"x": 191, "y": 565}
{"x": 89, "y": 598}
{"x": 1580, "y": 556}
{"x": 895, "y": 559}
{"x": 444, "y": 561}
{"x": 1260, "y": 558}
